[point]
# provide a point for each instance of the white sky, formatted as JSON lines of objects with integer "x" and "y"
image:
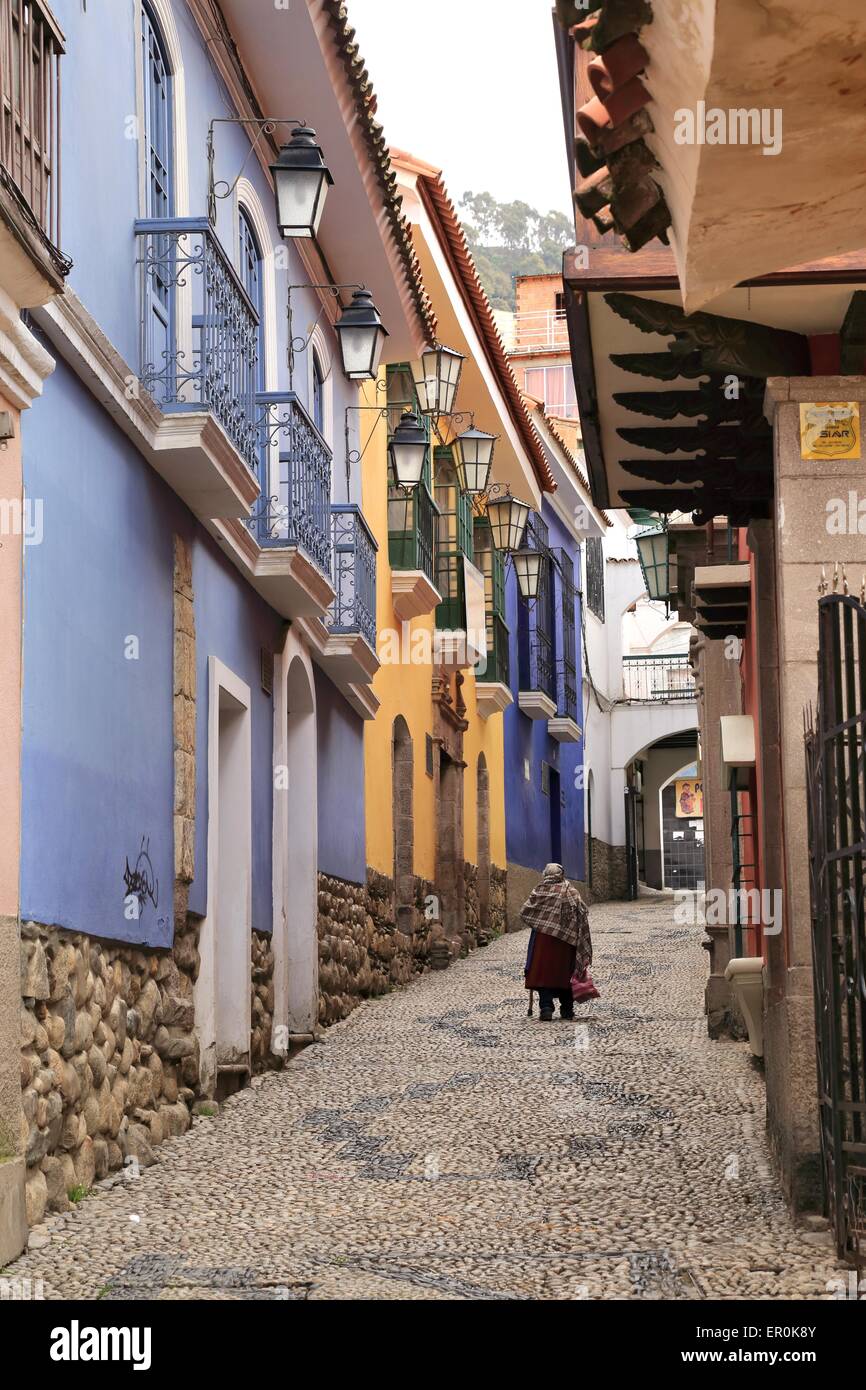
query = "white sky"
{"x": 471, "y": 86}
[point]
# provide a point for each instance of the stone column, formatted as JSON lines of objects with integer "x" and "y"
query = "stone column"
{"x": 816, "y": 523}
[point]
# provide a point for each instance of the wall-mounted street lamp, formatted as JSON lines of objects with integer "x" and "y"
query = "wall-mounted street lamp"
{"x": 436, "y": 375}
{"x": 301, "y": 177}
{"x": 528, "y": 566}
{"x": 507, "y": 516}
{"x": 301, "y": 182}
{"x": 473, "y": 459}
{"x": 362, "y": 337}
{"x": 407, "y": 451}
{"x": 360, "y": 330}
{"x": 653, "y": 552}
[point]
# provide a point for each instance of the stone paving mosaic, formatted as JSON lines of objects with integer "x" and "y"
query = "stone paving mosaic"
{"x": 441, "y": 1145}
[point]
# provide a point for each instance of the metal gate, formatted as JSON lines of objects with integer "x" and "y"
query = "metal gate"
{"x": 836, "y": 795}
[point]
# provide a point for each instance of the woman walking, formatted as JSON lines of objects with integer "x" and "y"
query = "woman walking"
{"x": 559, "y": 943}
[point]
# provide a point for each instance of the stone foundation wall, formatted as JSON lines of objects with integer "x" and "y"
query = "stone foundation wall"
{"x": 109, "y": 1062}
{"x": 365, "y": 949}
{"x": 262, "y": 1005}
{"x": 609, "y": 871}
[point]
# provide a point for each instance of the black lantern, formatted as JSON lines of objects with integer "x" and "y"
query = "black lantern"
{"x": 528, "y": 565}
{"x": 436, "y": 375}
{"x": 473, "y": 457}
{"x": 407, "y": 451}
{"x": 507, "y": 516}
{"x": 362, "y": 337}
{"x": 653, "y": 550}
{"x": 301, "y": 182}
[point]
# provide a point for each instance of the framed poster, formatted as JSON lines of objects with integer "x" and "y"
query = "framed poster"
{"x": 689, "y": 799}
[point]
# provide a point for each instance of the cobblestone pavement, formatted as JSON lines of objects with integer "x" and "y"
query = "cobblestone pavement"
{"x": 441, "y": 1145}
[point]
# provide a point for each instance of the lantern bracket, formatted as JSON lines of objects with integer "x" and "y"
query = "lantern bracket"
{"x": 300, "y": 344}
{"x": 266, "y": 127}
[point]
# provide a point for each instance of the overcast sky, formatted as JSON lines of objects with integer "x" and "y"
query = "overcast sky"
{"x": 471, "y": 86}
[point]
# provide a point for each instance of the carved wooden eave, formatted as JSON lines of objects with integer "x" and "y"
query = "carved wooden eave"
{"x": 724, "y": 344}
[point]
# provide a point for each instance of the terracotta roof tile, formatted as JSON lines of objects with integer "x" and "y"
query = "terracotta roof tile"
{"x": 617, "y": 189}
{"x": 442, "y": 209}
{"x": 374, "y": 137}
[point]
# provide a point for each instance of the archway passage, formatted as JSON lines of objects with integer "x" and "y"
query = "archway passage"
{"x": 483, "y": 841}
{"x": 402, "y": 802}
{"x": 659, "y": 764}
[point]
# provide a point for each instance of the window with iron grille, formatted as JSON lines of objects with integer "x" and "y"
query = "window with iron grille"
{"x": 491, "y": 564}
{"x": 595, "y": 576}
{"x": 453, "y": 541}
{"x": 412, "y": 515}
{"x": 566, "y": 683}
{"x": 535, "y": 624}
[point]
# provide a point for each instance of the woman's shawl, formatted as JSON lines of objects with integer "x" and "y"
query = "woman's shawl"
{"x": 557, "y": 909}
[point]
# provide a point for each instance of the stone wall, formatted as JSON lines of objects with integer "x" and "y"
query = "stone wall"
{"x": 609, "y": 871}
{"x": 109, "y": 1062}
{"x": 262, "y": 1004}
{"x": 366, "y": 950}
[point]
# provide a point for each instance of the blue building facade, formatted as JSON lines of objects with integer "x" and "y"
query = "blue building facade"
{"x": 544, "y": 797}
{"x": 196, "y": 662}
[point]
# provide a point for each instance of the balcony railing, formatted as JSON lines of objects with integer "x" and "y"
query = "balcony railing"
{"x": 657, "y": 678}
{"x": 411, "y": 528}
{"x": 536, "y": 666}
{"x": 30, "y": 47}
{"x": 199, "y": 329}
{"x": 295, "y": 458}
{"x": 566, "y": 691}
{"x": 497, "y": 666}
{"x": 540, "y": 330}
{"x": 354, "y": 574}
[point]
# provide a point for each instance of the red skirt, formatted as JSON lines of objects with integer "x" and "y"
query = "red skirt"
{"x": 552, "y": 963}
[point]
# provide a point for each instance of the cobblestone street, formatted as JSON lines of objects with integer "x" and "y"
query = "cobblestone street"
{"x": 439, "y": 1144}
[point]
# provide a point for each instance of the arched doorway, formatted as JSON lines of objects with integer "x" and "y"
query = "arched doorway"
{"x": 483, "y": 840}
{"x": 402, "y": 802}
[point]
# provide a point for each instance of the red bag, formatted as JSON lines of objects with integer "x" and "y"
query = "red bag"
{"x": 582, "y": 988}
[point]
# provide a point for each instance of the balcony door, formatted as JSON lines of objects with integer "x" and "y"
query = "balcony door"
{"x": 157, "y": 146}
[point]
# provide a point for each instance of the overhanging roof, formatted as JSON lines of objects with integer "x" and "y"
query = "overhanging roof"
{"x": 305, "y": 57}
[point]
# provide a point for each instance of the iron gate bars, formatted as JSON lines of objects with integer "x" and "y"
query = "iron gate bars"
{"x": 836, "y": 797}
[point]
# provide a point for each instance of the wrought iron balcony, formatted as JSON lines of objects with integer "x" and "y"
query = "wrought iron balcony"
{"x": 537, "y": 670}
{"x": 295, "y": 469}
{"x": 566, "y": 690}
{"x": 31, "y": 44}
{"x": 657, "y": 678}
{"x": 411, "y": 528}
{"x": 199, "y": 329}
{"x": 354, "y": 574}
{"x": 496, "y": 668}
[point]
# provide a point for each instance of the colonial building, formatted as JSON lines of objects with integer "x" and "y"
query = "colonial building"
{"x": 436, "y": 772}
{"x": 746, "y": 416}
{"x": 200, "y": 631}
{"x": 32, "y": 273}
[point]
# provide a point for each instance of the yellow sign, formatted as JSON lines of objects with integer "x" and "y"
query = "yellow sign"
{"x": 689, "y": 800}
{"x": 829, "y": 429}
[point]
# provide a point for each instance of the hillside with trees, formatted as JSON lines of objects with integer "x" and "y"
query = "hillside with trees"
{"x": 509, "y": 239}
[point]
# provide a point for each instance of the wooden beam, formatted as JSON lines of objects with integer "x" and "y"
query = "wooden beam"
{"x": 725, "y": 344}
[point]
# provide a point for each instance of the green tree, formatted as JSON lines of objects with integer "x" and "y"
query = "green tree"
{"x": 510, "y": 239}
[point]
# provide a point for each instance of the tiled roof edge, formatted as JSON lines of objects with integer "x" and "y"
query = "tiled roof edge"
{"x": 439, "y": 203}
{"x": 617, "y": 188}
{"x": 374, "y": 138}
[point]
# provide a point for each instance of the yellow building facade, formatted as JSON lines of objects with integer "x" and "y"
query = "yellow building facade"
{"x": 434, "y": 756}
